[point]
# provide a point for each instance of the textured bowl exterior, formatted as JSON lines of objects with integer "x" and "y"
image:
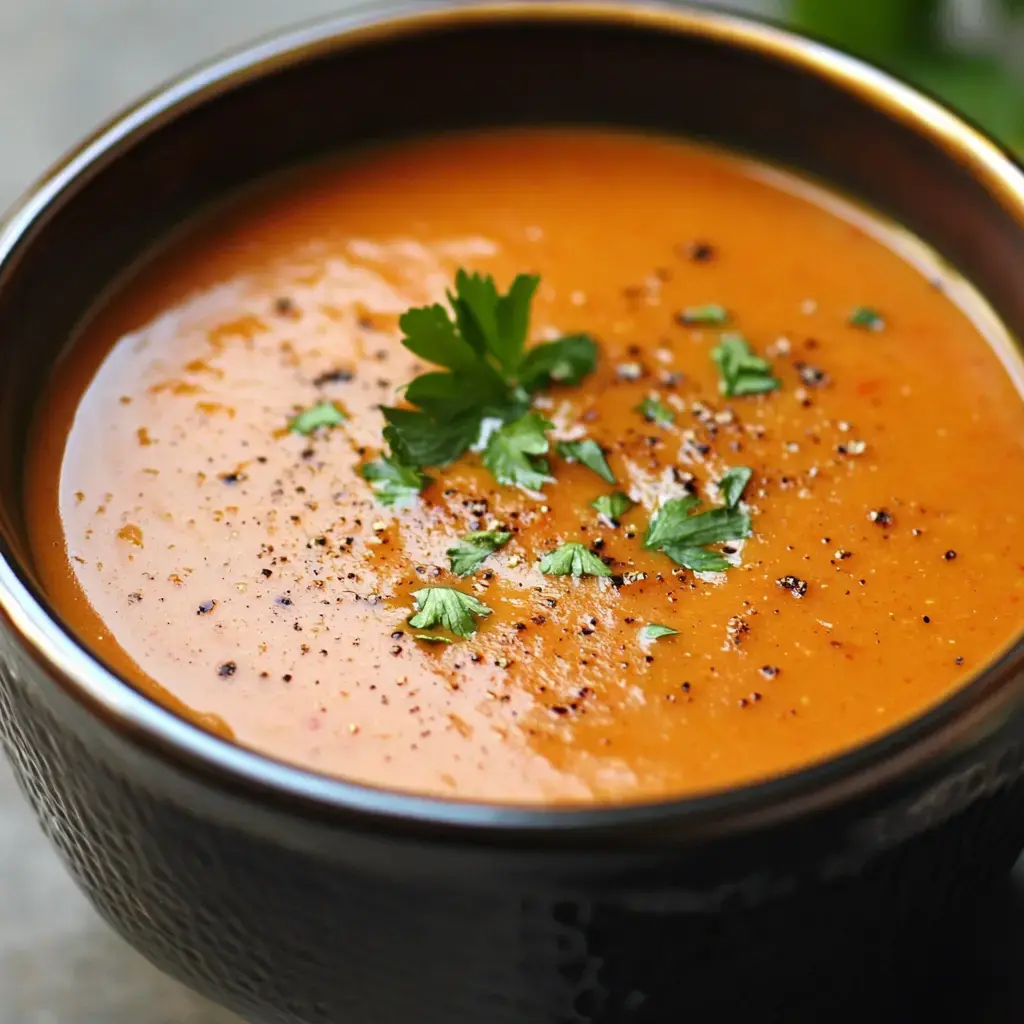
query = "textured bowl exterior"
{"x": 299, "y": 936}
{"x": 298, "y": 900}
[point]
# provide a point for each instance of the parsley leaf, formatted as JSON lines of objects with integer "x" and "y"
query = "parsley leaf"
{"x": 655, "y": 631}
{"x": 418, "y": 440}
{"x": 613, "y": 505}
{"x": 866, "y": 319}
{"x": 448, "y": 608}
{"x": 433, "y": 638}
{"x": 565, "y": 361}
{"x": 742, "y": 371}
{"x": 488, "y": 375}
{"x": 733, "y": 483}
{"x": 468, "y": 555}
{"x": 588, "y": 453}
{"x": 513, "y": 451}
{"x": 682, "y": 531}
{"x": 711, "y": 314}
{"x": 697, "y": 559}
{"x": 395, "y": 484}
{"x": 573, "y": 560}
{"x": 655, "y": 411}
{"x": 323, "y": 414}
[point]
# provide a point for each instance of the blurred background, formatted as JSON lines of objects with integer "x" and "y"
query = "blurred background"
{"x": 65, "y": 65}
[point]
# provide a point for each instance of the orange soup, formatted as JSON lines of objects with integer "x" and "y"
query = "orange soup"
{"x": 693, "y": 473}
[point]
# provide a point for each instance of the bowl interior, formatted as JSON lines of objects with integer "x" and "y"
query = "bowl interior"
{"x": 333, "y": 86}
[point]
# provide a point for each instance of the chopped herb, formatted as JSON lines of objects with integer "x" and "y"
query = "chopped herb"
{"x": 696, "y": 558}
{"x": 589, "y": 454}
{"x": 418, "y": 440}
{"x": 613, "y": 506}
{"x": 448, "y": 608}
{"x": 433, "y": 638}
{"x": 488, "y": 373}
{"x": 711, "y": 314}
{"x": 573, "y": 560}
{"x": 733, "y": 484}
{"x": 564, "y": 361}
{"x": 469, "y": 554}
{"x": 867, "y": 319}
{"x": 655, "y": 631}
{"x": 395, "y": 484}
{"x": 513, "y": 453}
{"x": 323, "y": 414}
{"x": 655, "y": 411}
{"x": 742, "y": 372}
{"x": 683, "y": 532}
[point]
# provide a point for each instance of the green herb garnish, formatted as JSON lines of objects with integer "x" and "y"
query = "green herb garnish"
{"x": 469, "y": 554}
{"x": 867, "y": 319}
{"x": 712, "y": 314}
{"x": 683, "y": 532}
{"x": 448, "y": 608}
{"x": 733, "y": 483}
{"x": 742, "y": 372}
{"x": 487, "y": 372}
{"x": 433, "y": 638}
{"x": 573, "y": 559}
{"x": 323, "y": 414}
{"x": 613, "y": 506}
{"x": 655, "y": 631}
{"x": 394, "y": 483}
{"x": 655, "y": 411}
{"x": 513, "y": 453}
{"x": 589, "y": 454}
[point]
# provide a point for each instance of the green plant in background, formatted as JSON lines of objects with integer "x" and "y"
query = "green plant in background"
{"x": 960, "y": 50}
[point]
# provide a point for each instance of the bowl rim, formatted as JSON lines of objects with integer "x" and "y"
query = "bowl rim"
{"x": 904, "y": 750}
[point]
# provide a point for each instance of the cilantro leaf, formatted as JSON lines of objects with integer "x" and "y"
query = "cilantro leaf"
{"x": 711, "y": 314}
{"x": 573, "y": 559}
{"x": 395, "y": 484}
{"x": 468, "y": 555}
{"x": 613, "y": 505}
{"x": 418, "y": 440}
{"x": 866, "y": 319}
{"x": 512, "y": 453}
{"x": 565, "y": 361}
{"x": 655, "y": 411}
{"x": 655, "y": 631}
{"x": 682, "y": 532}
{"x": 742, "y": 372}
{"x": 448, "y": 608}
{"x": 513, "y": 319}
{"x": 588, "y": 453}
{"x": 323, "y": 414}
{"x": 733, "y": 483}
{"x": 433, "y": 638}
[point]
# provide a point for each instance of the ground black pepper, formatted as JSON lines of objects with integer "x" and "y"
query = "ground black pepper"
{"x": 796, "y": 586}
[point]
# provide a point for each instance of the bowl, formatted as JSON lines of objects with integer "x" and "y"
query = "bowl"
{"x": 294, "y": 897}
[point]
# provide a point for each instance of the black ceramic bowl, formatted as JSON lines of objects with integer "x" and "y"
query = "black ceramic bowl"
{"x": 294, "y": 897}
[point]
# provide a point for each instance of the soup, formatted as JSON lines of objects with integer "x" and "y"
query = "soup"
{"x": 744, "y": 500}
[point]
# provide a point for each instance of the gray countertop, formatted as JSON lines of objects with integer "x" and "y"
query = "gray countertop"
{"x": 65, "y": 65}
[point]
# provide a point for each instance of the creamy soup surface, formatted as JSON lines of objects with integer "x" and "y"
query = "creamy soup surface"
{"x": 247, "y": 575}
